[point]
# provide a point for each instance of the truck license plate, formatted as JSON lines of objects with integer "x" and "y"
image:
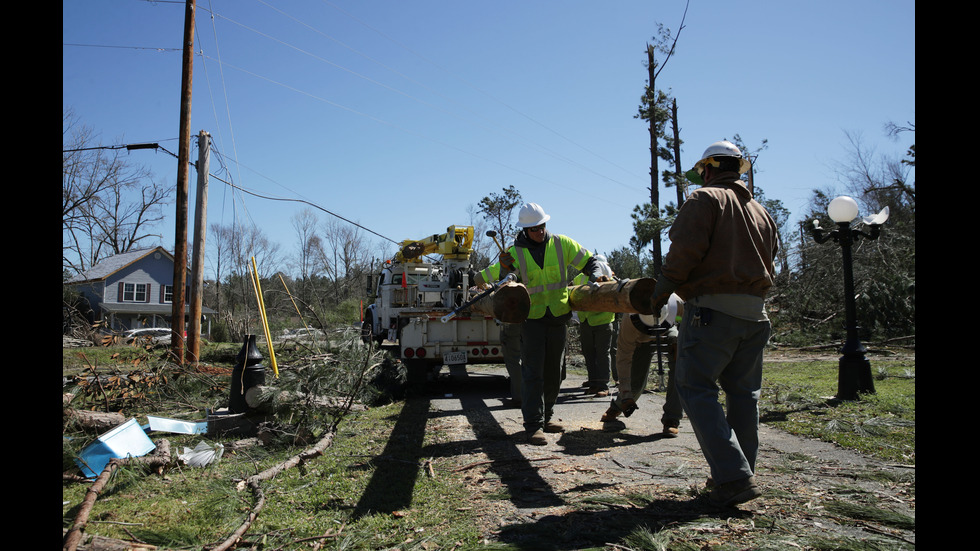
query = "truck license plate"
{"x": 453, "y": 358}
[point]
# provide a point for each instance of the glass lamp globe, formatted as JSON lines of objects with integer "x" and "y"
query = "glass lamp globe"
{"x": 842, "y": 209}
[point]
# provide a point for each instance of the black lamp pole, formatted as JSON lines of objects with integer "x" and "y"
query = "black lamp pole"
{"x": 854, "y": 370}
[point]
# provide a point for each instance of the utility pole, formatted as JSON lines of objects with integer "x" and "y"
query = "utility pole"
{"x": 197, "y": 261}
{"x": 183, "y": 169}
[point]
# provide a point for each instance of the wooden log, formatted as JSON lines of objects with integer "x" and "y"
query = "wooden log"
{"x": 94, "y": 420}
{"x": 633, "y": 296}
{"x": 88, "y": 542}
{"x": 509, "y": 304}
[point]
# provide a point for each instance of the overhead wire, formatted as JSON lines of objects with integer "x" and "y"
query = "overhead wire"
{"x": 227, "y": 103}
{"x": 476, "y": 88}
{"x": 221, "y": 64}
{"x": 303, "y": 201}
{"x": 601, "y": 197}
{"x": 540, "y": 147}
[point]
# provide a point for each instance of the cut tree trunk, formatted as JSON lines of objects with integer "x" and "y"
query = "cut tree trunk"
{"x": 94, "y": 420}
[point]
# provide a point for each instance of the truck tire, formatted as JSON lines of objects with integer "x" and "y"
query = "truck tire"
{"x": 367, "y": 330}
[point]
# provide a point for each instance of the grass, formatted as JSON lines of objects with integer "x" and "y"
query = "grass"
{"x": 797, "y": 398}
{"x": 363, "y": 494}
{"x": 375, "y": 487}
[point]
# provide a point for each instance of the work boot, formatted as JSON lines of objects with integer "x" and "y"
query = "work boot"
{"x": 551, "y": 426}
{"x": 612, "y": 413}
{"x": 627, "y": 407}
{"x": 670, "y": 431}
{"x": 536, "y": 437}
{"x": 732, "y": 493}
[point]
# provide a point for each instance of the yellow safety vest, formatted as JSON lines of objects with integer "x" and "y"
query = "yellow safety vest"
{"x": 548, "y": 285}
{"x": 592, "y": 318}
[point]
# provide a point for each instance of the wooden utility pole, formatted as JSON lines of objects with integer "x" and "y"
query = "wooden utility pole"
{"x": 183, "y": 169}
{"x": 197, "y": 261}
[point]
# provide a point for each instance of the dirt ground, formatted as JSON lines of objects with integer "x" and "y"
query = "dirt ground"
{"x": 591, "y": 488}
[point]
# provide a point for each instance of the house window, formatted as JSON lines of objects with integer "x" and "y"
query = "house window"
{"x": 168, "y": 293}
{"x": 134, "y": 292}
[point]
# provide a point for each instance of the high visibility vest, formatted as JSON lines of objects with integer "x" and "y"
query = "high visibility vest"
{"x": 548, "y": 285}
{"x": 491, "y": 273}
{"x": 592, "y": 318}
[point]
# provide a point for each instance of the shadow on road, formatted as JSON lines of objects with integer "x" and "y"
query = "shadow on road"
{"x": 480, "y": 396}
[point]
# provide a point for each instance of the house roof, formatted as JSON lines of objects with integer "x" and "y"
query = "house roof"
{"x": 114, "y": 263}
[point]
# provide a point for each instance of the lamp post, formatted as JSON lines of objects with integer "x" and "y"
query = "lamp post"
{"x": 854, "y": 370}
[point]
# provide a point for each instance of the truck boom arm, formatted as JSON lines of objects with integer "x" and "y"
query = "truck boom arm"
{"x": 455, "y": 244}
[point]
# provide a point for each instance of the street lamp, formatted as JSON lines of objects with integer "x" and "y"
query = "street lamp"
{"x": 854, "y": 370}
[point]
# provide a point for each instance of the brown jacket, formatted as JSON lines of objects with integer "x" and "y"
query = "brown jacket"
{"x": 722, "y": 242}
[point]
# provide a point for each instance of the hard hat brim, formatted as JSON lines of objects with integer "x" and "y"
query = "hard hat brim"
{"x": 743, "y": 165}
{"x": 544, "y": 219}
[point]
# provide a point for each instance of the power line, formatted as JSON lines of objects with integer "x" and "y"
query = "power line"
{"x": 153, "y": 48}
{"x": 234, "y": 186}
{"x": 304, "y": 201}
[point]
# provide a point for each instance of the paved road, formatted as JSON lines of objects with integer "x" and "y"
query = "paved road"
{"x": 472, "y": 413}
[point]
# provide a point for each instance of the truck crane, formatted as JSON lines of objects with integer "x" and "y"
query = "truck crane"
{"x": 413, "y": 294}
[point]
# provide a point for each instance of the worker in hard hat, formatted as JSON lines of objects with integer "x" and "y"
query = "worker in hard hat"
{"x": 637, "y": 340}
{"x": 721, "y": 262}
{"x": 541, "y": 259}
{"x": 596, "y": 334}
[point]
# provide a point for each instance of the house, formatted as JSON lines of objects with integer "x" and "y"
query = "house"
{"x": 132, "y": 290}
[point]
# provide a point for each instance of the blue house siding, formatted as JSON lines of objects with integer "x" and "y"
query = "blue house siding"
{"x": 155, "y": 273}
{"x": 146, "y": 274}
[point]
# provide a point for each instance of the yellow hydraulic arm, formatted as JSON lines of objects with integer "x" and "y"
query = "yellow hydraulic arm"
{"x": 456, "y": 243}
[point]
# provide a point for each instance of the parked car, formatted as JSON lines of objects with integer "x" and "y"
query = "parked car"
{"x": 303, "y": 333}
{"x": 158, "y": 335}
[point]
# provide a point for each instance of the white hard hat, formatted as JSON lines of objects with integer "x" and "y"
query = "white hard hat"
{"x": 723, "y": 148}
{"x": 604, "y": 266}
{"x": 531, "y": 215}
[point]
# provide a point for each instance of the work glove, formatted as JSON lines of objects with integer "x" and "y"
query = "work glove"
{"x": 476, "y": 279}
{"x": 507, "y": 260}
{"x": 661, "y": 293}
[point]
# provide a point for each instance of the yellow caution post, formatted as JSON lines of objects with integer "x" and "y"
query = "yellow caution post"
{"x": 265, "y": 320}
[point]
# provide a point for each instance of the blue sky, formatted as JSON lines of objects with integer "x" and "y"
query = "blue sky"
{"x": 401, "y": 114}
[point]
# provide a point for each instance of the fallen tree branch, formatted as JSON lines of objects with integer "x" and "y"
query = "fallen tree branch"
{"x": 252, "y": 482}
{"x": 102, "y": 543}
{"x": 268, "y": 398}
{"x": 93, "y": 420}
{"x": 155, "y": 462}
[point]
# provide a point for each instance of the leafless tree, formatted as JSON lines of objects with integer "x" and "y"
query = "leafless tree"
{"x": 309, "y": 257}
{"x": 346, "y": 253}
{"x": 237, "y": 245}
{"x": 109, "y": 205}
